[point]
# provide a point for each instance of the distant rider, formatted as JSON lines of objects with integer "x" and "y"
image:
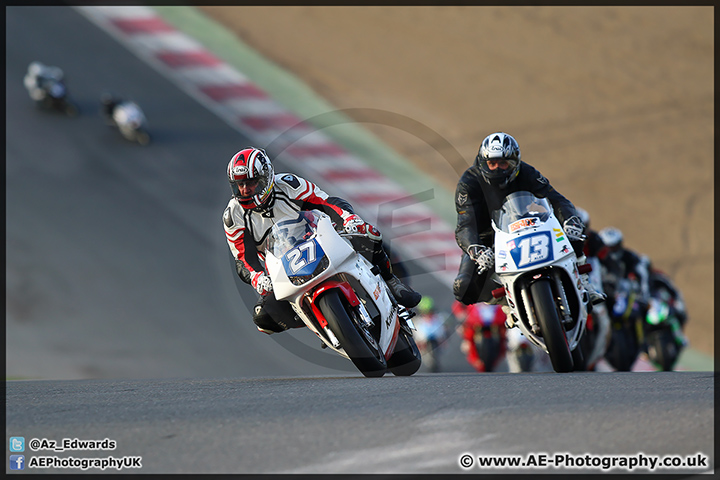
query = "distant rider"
{"x": 482, "y": 323}
{"x": 431, "y": 332}
{"x": 619, "y": 262}
{"x": 664, "y": 290}
{"x": 261, "y": 198}
{"x": 38, "y": 74}
{"x": 496, "y": 173}
{"x": 593, "y": 243}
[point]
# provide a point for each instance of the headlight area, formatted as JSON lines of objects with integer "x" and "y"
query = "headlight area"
{"x": 323, "y": 264}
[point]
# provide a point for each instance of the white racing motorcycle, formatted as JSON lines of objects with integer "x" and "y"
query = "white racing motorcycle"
{"x": 340, "y": 296}
{"x": 129, "y": 118}
{"x": 538, "y": 271}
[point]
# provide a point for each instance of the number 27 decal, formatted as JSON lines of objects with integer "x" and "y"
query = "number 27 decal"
{"x": 300, "y": 256}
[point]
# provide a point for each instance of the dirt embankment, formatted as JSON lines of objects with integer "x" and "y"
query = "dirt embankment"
{"x": 613, "y": 104}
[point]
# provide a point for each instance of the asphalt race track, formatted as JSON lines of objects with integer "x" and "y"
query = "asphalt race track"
{"x": 121, "y": 293}
{"x": 417, "y": 424}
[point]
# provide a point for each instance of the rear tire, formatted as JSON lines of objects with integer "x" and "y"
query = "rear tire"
{"x": 406, "y": 359}
{"x": 368, "y": 358}
{"x": 552, "y": 331}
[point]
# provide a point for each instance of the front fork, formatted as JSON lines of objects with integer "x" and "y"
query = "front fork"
{"x": 405, "y": 315}
{"x": 556, "y": 278}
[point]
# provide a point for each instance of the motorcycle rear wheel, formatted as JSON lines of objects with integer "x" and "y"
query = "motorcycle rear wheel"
{"x": 364, "y": 353}
{"x": 406, "y": 359}
{"x": 552, "y": 331}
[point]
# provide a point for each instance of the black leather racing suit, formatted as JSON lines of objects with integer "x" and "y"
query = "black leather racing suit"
{"x": 475, "y": 199}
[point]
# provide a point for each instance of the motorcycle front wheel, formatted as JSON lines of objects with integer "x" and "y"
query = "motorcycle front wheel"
{"x": 552, "y": 331}
{"x": 357, "y": 342}
{"x": 623, "y": 350}
{"x": 489, "y": 349}
{"x": 662, "y": 349}
{"x": 142, "y": 137}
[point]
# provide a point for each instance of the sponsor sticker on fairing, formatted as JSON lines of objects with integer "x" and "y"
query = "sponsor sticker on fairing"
{"x": 523, "y": 223}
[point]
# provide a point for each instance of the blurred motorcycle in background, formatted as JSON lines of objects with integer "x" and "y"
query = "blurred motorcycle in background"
{"x": 596, "y": 338}
{"x": 431, "y": 333}
{"x": 483, "y": 334}
{"x": 521, "y": 353}
{"x": 46, "y": 86}
{"x": 626, "y": 338}
{"x": 127, "y": 117}
{"x": 663, "y": 324}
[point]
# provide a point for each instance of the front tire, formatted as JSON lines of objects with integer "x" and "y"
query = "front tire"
{"x": 622, "y": 351}
{"x": 363, "y": 352}
{"x": 142, "y": 137}
{"x": 662, "y": 349}
{"x": 489, "y": 350}
{"x": 552, "y": 331}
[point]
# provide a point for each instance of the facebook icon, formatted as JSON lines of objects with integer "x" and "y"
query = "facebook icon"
{"x": 17, "y": 462}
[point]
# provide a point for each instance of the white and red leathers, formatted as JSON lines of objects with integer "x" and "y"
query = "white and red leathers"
{"x": 247, "y": 230}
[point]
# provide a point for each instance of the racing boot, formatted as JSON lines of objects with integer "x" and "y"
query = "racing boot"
{"x": 595, "y": 296}
{"x": 404, "y": 295}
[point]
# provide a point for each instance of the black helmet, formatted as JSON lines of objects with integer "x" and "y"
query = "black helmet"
{"x": 499, "y": 146}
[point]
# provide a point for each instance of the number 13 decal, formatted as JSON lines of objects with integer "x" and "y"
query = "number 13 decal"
{"x": 300, "y": 256}
{"x": 532, "y": 249}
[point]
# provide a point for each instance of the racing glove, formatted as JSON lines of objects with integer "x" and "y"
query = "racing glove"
{"x": 574, "y": 227}
{"x": 261, "y": 283}
{"x": 355, "y": 224}
{"x": 483, "y": 256}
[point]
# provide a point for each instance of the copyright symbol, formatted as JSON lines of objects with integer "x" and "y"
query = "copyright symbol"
{"x": 466, "y": 460}
{"x": 34, "y": 444}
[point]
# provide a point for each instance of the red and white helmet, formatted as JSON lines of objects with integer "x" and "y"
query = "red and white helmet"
{"x": 251, "y": 177}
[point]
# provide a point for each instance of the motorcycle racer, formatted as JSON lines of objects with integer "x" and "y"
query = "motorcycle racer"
{"x": 431, "y": 334}
{"x": 484, "y": 323}
{"x": 482, "y": 188}
{"x": 38, "y": 74}
{"x": 261, "y": 198}
{"x": 619, "y": 263}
